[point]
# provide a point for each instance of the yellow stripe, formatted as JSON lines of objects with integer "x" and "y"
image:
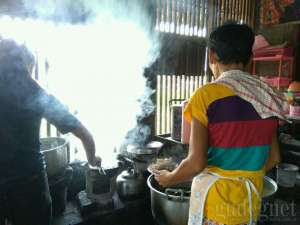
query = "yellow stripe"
{"x": 202, "y": 98}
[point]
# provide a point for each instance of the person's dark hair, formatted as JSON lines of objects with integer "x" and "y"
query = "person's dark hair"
{"x": 232, "y": 43}
{"x": 14, "y": 58}
{"x": 15, "y": 82}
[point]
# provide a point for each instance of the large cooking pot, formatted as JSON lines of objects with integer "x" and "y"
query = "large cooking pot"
{"x": 170, "y": 206}
{"x": 55, "y": 150}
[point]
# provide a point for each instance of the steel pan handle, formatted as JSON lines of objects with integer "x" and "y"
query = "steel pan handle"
{"x": 172, "y": 191}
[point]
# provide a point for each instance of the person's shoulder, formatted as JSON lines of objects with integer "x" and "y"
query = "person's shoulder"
{"x": 213, "y": 88}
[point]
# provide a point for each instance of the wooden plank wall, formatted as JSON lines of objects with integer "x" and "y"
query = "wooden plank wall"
{"x": 184, "y": 26}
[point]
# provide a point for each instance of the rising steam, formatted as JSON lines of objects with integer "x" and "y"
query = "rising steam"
{"x": 96, "y": 63}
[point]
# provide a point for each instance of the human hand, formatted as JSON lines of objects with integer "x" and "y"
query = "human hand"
{"x": 163, "y": 177}
{"x": 95, "y": 161}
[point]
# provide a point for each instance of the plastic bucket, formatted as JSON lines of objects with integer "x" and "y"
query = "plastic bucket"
{"x": 286, "y": 174}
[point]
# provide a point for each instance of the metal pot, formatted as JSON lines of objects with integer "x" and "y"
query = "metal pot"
{"x": 169, "y": 206}
{"x": 130, "y": 184}
{"x": 55, "y": 151}
{"x": 142, "y": 156}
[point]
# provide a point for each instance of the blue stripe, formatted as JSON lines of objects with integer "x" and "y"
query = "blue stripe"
{"x": 243, "y": 158}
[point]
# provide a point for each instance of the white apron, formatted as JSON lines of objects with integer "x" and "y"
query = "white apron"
{"x": 200, "y": 187}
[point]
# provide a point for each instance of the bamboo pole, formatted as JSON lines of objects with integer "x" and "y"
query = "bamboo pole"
{"x": 220, "y": 12}
{"x": 206, "y": 16}
{"x": 168, "y": 98}
{"x": 215, "y": 13}
{"x": 226, "y": 11}
{"x": 240, "y": 2}
{"x": 242, "y": 11}
{"x": 253, "y": 4}
{"x": 197, "y": 12}
{"x": 201, "y": 17}
{"x": 188, "y": 17}
{"x": 192, "y": 23}
{"x": 157, "y": 15}
{"x": 230, "y": 9}
{"x": 248, "y": 2}
{"x": 183, "y": 17}
{"x": 178, "y": 16}
{"x": 223, "y": 2}
{"x": 173, "y": 17}
{"x": 167, "y": 15}
{"x": 234, "y": 14}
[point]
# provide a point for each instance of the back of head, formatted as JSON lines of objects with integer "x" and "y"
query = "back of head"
{"x": 232, "y": 43}
{"x": 14, "y": 58}
{"x": 15, "y": 81}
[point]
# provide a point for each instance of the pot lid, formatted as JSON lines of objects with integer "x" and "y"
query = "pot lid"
{"x": 129, "y": 174}
{"x": 151, "y": 148}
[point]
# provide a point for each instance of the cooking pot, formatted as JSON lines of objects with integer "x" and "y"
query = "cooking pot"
{"x": 170, "y": 206}
{"x": 55, "y": 151}
{"x": 143, "y": 155}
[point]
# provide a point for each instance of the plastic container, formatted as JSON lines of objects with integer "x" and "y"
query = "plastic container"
{"x": 294, "y": 110}
{"x": 276, "y": 81}
{"x": 286, "y": 174}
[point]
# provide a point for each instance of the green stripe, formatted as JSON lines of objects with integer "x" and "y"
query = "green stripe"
{"x": 244, "y": 158}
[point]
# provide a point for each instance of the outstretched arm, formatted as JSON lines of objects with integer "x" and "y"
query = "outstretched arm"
{"x": 194, "y": 163}
{"x": 88, "y": 142}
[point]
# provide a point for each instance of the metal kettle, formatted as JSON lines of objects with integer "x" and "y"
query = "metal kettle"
{"x": 130, "y": 184}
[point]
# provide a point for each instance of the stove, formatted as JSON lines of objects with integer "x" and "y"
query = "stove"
{"x": 58, "y": 186}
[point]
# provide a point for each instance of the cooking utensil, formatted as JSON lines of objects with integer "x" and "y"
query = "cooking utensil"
{"x": 55, "y": 151}
{"x": 152, "y": 147}
{"x": 99, "y": 184}
{"x": 176, "y": 118}
{"x": 130, "y": 184}
{"x": 171, "y": 206}
{"x": 270, "y": 187}
{"x": 141, "y": 156}
{"x": 286, "y": 174}
{"x": 101, "y": 170}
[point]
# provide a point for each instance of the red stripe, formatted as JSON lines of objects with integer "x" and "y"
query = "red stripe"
{"x": 241, "y": 133}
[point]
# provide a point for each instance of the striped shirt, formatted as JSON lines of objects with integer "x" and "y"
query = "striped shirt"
{"x": 239, "y": 144}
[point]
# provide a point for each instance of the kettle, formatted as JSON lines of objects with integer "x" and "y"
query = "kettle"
{"x": 130, "y": 184}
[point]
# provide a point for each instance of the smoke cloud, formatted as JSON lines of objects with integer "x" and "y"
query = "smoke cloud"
{"x": 97, "y": 52}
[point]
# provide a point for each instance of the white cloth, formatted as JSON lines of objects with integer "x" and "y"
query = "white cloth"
{"x": 266, "y": 100}
{"x": 199, "y": 191}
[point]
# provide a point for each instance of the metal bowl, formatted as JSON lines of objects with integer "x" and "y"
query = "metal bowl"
{"x": 270, "y": 187}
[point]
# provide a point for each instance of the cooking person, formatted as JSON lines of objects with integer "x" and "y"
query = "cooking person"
{"x": 233, "y": 139}
{"x": 24, "y": 191}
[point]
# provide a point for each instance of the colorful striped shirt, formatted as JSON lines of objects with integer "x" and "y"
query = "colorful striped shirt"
{"x": 239, "y": 144}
